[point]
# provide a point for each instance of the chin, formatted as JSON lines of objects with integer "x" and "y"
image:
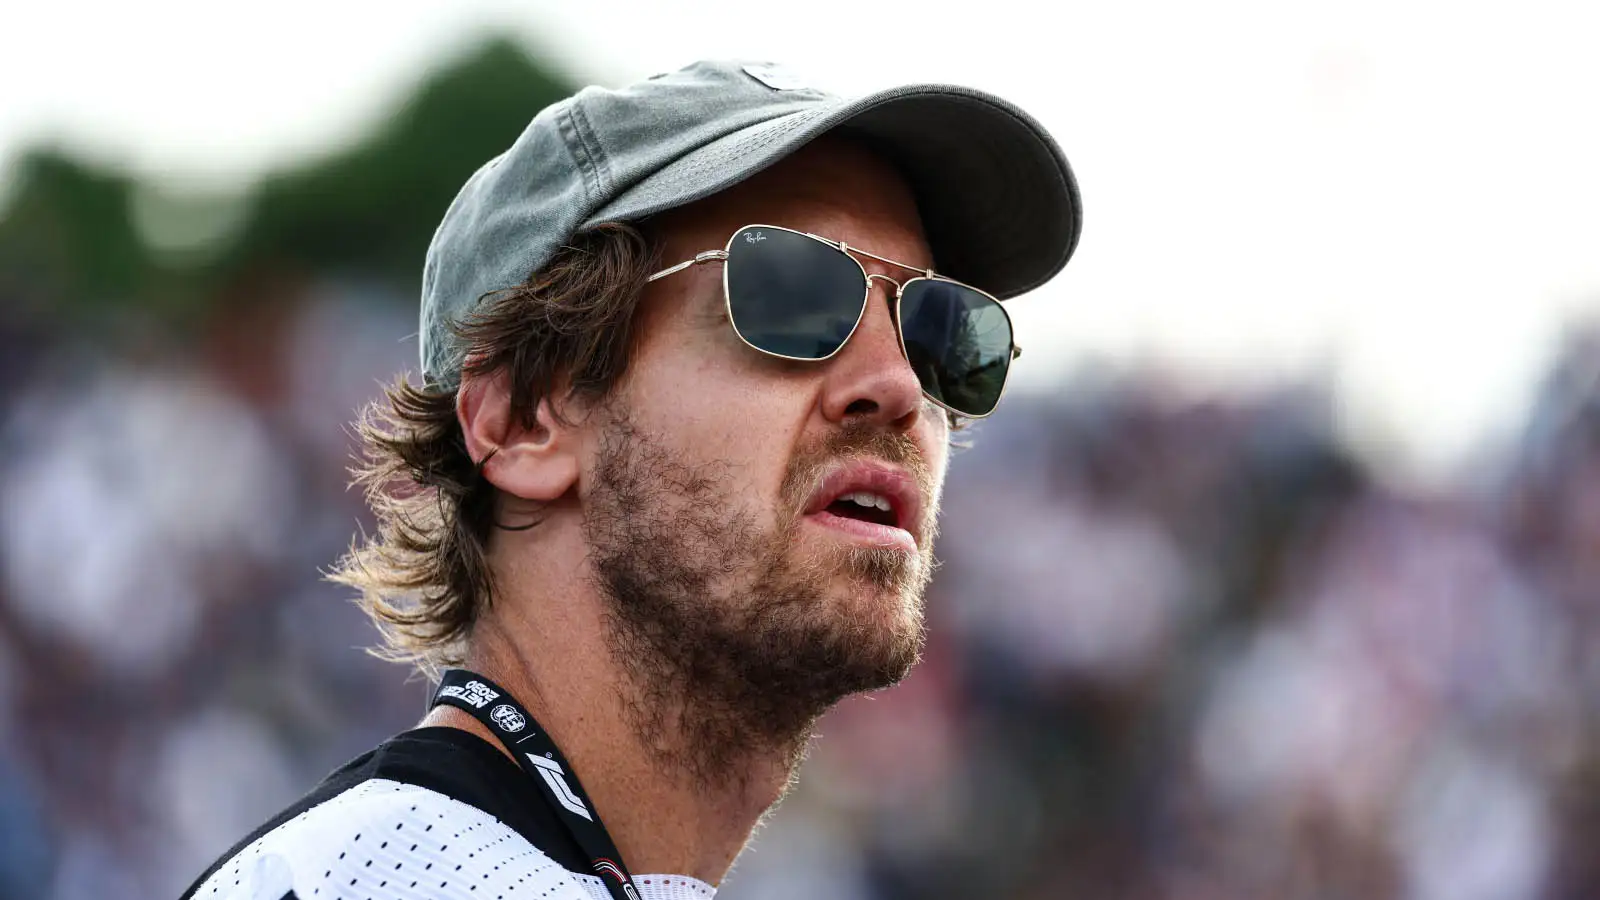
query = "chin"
{"x": 882, "y": 618}
{"x": 885, "y": 608}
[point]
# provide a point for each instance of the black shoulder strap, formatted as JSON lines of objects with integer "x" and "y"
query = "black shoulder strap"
{"x": 538, "y": 756}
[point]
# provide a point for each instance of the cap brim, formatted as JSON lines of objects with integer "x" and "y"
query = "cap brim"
{"x": 997, "y": 198}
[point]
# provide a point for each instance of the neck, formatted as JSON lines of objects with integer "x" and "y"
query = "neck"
{"x": 665, "y": 817}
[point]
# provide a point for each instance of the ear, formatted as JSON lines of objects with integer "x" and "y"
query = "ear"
{"x": 534, "y": 463}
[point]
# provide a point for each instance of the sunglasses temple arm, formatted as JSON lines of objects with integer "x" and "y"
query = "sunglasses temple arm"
{"x": 707, "y": 256}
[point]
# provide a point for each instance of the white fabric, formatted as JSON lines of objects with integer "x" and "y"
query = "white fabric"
{"x": 386, "y": 840}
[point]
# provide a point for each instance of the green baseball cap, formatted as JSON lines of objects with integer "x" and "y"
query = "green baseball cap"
{"x": 997, "y": 198}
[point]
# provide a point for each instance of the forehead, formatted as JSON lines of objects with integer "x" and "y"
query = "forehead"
{"x": 833, "y": 187}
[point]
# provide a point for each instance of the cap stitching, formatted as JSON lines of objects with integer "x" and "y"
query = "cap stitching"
{"x": 592, "y": 146}
{"x": 572, "y": 136}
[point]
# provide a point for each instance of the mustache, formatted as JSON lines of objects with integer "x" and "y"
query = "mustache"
{"x": 858, "y": 440}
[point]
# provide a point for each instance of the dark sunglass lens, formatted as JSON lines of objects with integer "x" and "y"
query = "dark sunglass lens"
{"x": 959, "y": 343}
{"x": 792, "y": 295}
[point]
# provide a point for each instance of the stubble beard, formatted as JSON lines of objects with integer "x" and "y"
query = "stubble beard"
{"x": 732, "y": 645}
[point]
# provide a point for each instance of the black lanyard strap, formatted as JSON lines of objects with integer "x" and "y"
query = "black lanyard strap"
{"x": 538, "y": 756}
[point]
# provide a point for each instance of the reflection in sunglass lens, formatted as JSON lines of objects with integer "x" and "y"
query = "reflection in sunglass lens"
{"x": 792, "y": 295}
{"x": 959, "y": 343}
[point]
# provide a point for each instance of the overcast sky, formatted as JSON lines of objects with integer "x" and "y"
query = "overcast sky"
{"x": 1405, "y": 196}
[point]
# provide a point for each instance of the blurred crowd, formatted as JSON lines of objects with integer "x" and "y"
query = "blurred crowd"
{"x": 1183, "y": 648}
{"x": 1193, "y": 649}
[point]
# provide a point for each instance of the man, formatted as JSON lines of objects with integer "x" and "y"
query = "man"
{"x": 692, "y": 351}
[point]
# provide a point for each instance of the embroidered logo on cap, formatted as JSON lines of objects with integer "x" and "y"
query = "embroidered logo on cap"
{"x": 777, "y": 77}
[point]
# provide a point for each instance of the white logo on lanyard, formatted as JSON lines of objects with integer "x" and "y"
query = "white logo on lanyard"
{"x": 508, "y": 718}
{"x": 557, "y": 780}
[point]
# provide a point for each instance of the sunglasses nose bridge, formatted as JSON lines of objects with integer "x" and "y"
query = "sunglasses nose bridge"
{"x": 894, "y": 307}
{"x": 898, "y": 287}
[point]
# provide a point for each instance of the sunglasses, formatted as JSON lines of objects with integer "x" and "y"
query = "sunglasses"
{"x": 798, "y": 296}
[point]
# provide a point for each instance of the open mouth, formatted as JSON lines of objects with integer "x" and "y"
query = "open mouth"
{"x": 872, "y": 502}
{"x": 865, "y": 506}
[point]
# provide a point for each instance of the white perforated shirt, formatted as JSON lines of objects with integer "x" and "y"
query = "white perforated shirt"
{"x": 434, "y": 814}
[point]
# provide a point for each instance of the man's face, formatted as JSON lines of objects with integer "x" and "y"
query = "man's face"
{"x": 709, "y": 507}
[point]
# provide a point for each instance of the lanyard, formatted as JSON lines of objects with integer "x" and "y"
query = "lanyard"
{"x": 492, "y": 705}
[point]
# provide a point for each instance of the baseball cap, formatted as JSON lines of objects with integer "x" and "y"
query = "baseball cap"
{"x": 997, "y": 199}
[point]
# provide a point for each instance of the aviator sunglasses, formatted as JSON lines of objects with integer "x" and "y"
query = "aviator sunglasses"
{"x": 797, "y": 296}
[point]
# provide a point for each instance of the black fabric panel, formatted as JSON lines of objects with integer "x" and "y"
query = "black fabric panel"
{"x": 451, "y": 762}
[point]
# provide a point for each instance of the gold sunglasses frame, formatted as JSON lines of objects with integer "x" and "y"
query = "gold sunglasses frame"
{"x": 866, "y": 298}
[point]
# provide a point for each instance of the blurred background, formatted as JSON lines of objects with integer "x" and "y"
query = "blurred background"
{"x": 1277, "y": 575}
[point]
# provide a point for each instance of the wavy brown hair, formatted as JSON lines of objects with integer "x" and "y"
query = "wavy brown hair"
{"x": 424, "y": 577}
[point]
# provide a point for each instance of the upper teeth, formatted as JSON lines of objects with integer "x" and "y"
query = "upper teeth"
{"x": 866, "y": 498}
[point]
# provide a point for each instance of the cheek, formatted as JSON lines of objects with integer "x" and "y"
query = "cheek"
{"x": 935, "y": 441}
{"x": 939, "y": 462}
{"x": 713, "y": 401}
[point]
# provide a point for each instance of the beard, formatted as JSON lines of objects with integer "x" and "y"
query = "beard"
{"x": 734, "y": 641}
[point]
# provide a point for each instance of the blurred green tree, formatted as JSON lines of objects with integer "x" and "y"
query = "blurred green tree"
{"x": 374, "y": 206}
{"x": 69, "y": 238}
{"x": 67, "y": 233}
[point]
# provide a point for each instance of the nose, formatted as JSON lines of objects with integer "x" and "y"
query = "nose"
{"x": 870, "y": 380}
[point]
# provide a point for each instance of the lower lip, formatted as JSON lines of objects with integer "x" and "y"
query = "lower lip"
{"x": 872, "y": 534}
